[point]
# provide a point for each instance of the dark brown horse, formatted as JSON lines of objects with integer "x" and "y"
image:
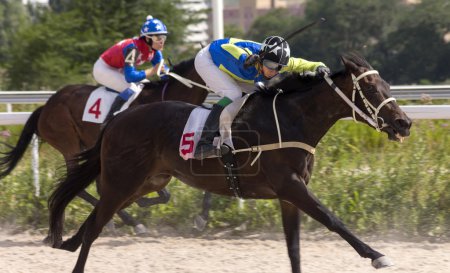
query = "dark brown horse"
{"x": 59, "y": 123}
{"x": 138, "y": 153}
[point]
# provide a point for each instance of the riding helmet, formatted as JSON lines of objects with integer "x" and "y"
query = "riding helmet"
{"x": 153, "y": 26}
{"x": 275, "y": 49}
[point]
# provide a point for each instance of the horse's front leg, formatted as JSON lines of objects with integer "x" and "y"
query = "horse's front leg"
{"x": 291, "y": 225}
{"x": 296, "y": 192}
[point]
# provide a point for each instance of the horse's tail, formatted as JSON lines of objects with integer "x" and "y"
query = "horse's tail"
{"x": 87, "y": 168}
{"x": 9, "y": 160}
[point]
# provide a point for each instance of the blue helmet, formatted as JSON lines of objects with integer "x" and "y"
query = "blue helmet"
{"x": 153, "y": 26}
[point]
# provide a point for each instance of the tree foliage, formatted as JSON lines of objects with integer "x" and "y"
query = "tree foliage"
{"x": 417, "y": 51}
{"x": 13, "y": 16}
{"x": 63, "y": 46}
{"x": 404, "y": 42}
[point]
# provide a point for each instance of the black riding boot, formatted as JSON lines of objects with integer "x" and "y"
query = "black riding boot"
{"x": 116, "y": 105}
{"x": 205, "y": 147}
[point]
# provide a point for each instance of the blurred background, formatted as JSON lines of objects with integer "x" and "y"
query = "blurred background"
{"x": 372, "y": 184}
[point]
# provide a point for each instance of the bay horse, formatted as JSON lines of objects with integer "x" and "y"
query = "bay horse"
{"x": 59, "y": 123}
{"x": 139, "y": 151}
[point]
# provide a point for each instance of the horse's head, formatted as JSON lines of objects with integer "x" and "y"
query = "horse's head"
{"x": 372, "y": 95}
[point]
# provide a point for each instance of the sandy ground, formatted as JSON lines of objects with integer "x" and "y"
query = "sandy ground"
{"x": 257, "y": 253}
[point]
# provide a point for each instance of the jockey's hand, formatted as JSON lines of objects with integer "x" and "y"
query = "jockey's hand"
{"x": 322, "y": 71}
{"x": 164, "y": 69}
{"x": 251, "y": 60}
{"x": 163, "y": 74}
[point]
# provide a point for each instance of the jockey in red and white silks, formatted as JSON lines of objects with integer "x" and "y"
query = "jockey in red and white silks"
{"x": 116, "y": 67}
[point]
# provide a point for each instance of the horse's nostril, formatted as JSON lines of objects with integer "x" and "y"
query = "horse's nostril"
{"x": 403, "y": 123}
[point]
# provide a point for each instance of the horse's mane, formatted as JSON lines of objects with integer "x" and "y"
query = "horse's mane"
{"x": 179, "y": 68}
{"x": 357, "y": 59}
{"x": 298, "y": 83}
{"x": 290, "y": 82}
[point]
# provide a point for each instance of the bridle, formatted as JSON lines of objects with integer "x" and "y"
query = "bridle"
{"x": 372, "y": 110}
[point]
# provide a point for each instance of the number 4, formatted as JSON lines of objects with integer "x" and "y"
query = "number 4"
{"x": 95, "y": 108}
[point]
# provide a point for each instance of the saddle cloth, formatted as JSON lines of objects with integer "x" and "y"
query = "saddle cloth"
{"x": 194, "y": 126}
{"x": 99, "y": 103}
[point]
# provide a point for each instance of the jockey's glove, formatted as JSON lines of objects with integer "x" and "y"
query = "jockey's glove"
{"x": 251, "y": 60}
{"x": 322, "y": 71}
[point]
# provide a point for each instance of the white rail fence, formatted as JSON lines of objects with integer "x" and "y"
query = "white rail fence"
{"x": 426, "y": 92}
{"x": 413, "y": 92}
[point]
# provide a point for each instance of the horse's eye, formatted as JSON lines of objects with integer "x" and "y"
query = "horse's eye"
{"x": 371, "y": 88}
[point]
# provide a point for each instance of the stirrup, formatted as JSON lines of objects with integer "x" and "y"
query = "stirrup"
{"x": 210, "y": 151}
{"x": 205, "y": 151}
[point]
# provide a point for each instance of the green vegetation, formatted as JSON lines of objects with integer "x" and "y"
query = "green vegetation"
{"x": 371, "y": 183}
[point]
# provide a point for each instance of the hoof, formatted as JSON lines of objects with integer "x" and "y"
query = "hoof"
{"x": 47, "y": 241}
{"x": 382, "y": 262}
{"x": 140, "y": 230}
{"x": 199, "y": 223}
{"x": 111, "y": 227}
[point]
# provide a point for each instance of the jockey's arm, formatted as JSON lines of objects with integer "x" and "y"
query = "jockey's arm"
{"x": 131, "y": 73}
{"x": 301, "y": 65}
{"x": 134, "y": 75}
{"x": 149, "y": 72}
{"x": 156, "y": 63}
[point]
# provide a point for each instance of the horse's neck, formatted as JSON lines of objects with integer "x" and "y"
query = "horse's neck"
{"x": 175, "y": 90}
{"x": 317, "y": 113}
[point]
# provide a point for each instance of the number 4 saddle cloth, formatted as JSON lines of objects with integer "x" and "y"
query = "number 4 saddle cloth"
{"x": 194, "y": 126}
{"x": 100, "y": 101}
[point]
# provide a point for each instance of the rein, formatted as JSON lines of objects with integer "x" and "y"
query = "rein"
{"x": 179, "y": 78}
{"x": 275, "y": 146}
{"x": 372, "y": 110}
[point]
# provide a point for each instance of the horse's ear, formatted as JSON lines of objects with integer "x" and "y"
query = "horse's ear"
{"x": 349, "y": 65}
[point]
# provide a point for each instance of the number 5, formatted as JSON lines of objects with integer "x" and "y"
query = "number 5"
{"x": 187, "y": 140}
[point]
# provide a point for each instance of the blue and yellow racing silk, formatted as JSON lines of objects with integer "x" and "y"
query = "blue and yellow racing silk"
{"x": 229, "y": 55}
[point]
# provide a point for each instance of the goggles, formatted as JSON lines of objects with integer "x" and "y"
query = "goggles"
{"x": 158, "y": 37}
{"x": 272, "y": 65}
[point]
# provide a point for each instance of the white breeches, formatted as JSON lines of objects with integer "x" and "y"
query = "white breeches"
{"x": 220, "y": 82}
{"x": 109, "y": 76}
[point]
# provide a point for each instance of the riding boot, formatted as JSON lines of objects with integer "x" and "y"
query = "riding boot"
{"x": 205, "y": 147}
{"x": 116, "y": 105}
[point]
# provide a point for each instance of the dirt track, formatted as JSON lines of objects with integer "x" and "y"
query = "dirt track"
{"x": 252, "y": 253}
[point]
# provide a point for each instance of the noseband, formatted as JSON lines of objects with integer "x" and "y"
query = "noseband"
{"x": 372, "y": 110}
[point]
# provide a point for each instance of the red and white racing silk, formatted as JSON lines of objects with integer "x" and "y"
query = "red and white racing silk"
{"x": 114, "y": 55}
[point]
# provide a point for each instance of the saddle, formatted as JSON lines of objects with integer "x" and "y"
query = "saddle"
{"x": 193, "y": 129}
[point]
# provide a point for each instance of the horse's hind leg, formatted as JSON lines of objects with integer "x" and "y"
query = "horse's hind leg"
{"x": 75, "y": 241}
{"x": 291, "y": 225}
{"x": 201, "y": 219}
{"x": 139, "y": 228}
{"x": 163, "y": 198}
{"x": 298, "y": 194}
{"x": 92, "y": 227}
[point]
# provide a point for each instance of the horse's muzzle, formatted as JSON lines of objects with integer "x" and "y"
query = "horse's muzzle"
{"x": 398, "y": 129}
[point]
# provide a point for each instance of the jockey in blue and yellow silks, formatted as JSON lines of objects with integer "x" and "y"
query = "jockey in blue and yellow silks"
{"x": 231, "y": 66}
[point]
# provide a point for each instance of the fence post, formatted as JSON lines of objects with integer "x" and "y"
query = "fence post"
{"x": 35, "y": 165}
